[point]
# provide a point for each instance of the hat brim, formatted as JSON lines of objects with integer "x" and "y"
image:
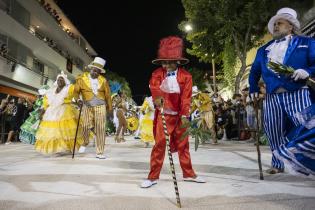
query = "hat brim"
{"x": 92, "y": 66}
{"x": 181, "y": 61}
{"x": 287, "y": 17}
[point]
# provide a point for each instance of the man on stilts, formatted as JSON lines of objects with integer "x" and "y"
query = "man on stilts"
{"x": 171, "y": 89}
{"x": 285, "y": 95}
{"x": 96, "y": 95}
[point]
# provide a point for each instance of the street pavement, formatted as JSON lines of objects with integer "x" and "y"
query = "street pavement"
{"x": 29, "y": 180}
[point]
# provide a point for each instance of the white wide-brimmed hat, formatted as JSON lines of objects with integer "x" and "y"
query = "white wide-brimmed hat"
{"x": 287, "y": 14}
{"x": 98, "y": 63}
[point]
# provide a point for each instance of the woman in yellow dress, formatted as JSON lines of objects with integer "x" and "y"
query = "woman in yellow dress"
{"x": 146, "y": 127}
{"x": 57, "y": 129}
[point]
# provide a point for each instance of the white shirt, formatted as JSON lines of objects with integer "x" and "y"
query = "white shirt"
{"x": 94, "y": 84}
{"x": 170, "y": 83}
{"x": 277, "y": 50}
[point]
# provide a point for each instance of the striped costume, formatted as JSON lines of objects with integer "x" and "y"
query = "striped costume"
{"x": 285, "y": 97}
{"x": 97, "y": 101}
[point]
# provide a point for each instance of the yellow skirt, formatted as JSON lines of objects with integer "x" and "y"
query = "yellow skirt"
{"x": 146, "y": 130}
{"x": 58, "y": 136}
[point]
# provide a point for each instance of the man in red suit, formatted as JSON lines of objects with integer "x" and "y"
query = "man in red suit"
{"x": 171, "y": 88}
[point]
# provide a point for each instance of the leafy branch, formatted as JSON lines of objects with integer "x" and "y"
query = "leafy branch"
{"x": 198, "y": 130}
{"x": 279, "y": 68}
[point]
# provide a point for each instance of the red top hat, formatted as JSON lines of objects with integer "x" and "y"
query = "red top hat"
{"x": 171, "y": 49}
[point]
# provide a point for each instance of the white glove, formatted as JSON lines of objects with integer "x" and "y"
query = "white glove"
{"x": 300, "y": 74}
{"x": 254, "y": 95}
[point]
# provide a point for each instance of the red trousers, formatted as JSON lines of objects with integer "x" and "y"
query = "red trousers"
{"x": 173, "y": 124}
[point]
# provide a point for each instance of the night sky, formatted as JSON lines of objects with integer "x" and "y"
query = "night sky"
{"x": 132, "y": 33}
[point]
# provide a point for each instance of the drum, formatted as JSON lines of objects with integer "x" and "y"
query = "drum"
{"x": 132, "y": 123}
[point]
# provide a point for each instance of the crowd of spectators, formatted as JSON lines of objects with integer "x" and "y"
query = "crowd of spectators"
{"x": 236, "y": 118}
{"x": 13, "y": 112}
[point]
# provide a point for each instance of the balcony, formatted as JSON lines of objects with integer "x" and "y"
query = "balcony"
{"x": 11, "y": 28}
{"x": 47, "y": 24}
{"x": 18, "y": 75}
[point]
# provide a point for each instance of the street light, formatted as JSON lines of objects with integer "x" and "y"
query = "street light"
{"x": 188, "y": 27}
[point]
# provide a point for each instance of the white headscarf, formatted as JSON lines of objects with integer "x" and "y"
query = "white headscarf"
{"x": 64, "y": 76}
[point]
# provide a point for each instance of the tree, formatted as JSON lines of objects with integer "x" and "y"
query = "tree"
{"x": 227, "y": 26}
{"x": 229, "y": 61}
{"x": 199, "y": 78}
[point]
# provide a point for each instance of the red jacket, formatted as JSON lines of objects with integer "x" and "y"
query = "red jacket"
{"x": 174, "y": 101}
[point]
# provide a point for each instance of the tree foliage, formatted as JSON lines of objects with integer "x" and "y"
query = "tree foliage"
{"x": 229, "y": 61}
{"x": 227, "y": 28}
{"x": 199, "y": 78}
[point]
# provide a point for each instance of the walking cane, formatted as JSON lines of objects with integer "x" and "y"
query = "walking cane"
{"x": 76, "y": 132}
{"x": 170, "y": 157}
{"x": 261, "y": 176}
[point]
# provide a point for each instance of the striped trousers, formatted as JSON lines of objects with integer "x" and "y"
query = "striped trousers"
{"x": 279, "y": 117}
{"x": 94, "y": 119}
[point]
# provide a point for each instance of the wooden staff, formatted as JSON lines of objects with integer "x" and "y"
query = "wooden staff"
{"x": 170, "y": 157}
{"x": 261, "y": 176}
{"x": 76, "y": 132}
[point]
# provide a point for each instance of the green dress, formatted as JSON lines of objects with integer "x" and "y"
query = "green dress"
{"x": 30, "y": 126}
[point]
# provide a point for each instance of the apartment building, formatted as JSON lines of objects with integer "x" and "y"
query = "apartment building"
{"x": 37, "y": 41}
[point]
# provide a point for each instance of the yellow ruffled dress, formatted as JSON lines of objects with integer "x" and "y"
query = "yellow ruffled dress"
{"x": 57, "y": 129}
{"x": 146, "y": 126}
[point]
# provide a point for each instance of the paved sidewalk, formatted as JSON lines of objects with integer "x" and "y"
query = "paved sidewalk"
{"x": 29, "y": 180}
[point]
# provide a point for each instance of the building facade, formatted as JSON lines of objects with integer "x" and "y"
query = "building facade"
{"x": 37, "y": 42}
{"x": 308, "y": 22}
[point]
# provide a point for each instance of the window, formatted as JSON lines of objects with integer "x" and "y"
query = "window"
{"x": 38, "y": 66}
{"x": 69, "y": 65}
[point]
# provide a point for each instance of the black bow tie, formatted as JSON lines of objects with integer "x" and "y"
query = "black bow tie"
{"x": 281, "y": 40}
